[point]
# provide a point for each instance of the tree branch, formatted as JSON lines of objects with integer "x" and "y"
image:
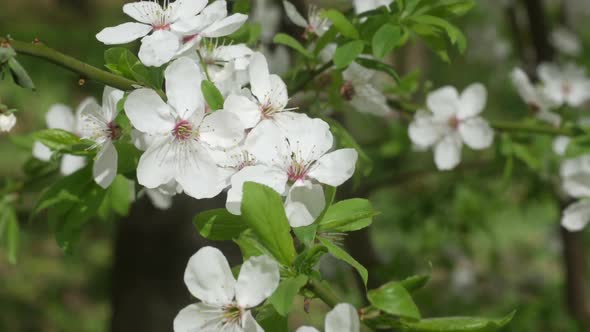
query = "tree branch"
{"x": 85, "y": 70}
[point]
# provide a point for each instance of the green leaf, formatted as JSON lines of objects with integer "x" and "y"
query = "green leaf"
{"x": 263, "y": 211}
{"x": 282, "y": 299}
{"x": 212, "y": 95}
{"x": 219, "y": 225}
{"x": 341, "y": 23}
{"x": 345, "y": 140}
{"x": 459, "y": 324}
{"x": 20, "y": 75}
{"x": 455, "y": 35}
{"x": 270, "y": 320}
{"x": 394, "y": 299}
{"x": 57, "y": 139}
{"x": 348, "y": 216}
{"x": 386, "y": 39}
{"x": 342, "y": 255}
{"x": 119, "y": 193}
{"x": 306, "y": 234}
{"x": 379, "y": 66}
{"x": 291, "y": 42}
{"x": 415, "y": 283}
{"x": 347, "y": 53}
{"x": 307, "y": 260}
{"x": 250, "y": 246}
{"x": 9, "y": 231}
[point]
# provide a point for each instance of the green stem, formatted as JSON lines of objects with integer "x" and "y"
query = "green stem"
{"x": 311, "y": 77}
{"x": 506, "y": 126}
{"x": 85, "y": 70}
{"x": 323, "y": 293}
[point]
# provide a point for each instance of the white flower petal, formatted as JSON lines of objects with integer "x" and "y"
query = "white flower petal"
{"x": 41, "y": 151}
{"x": 473, "y": 101}
{"x": 7, "y": 122}
{"x": 271, "y": 177}
{"x": 294, "y": 15}
{"x": 123, "y": 34}
{"x": 307, "y": 329}
{"x": 196, "y": 317}
{"x": 183, "y": 88}
{"x": 343, "y": 318}
{"x": 368, "y": 99}
{"x": 424, "y": 131}
{"x": 259, "y": 278}
{"x": 105, "y": 166}
{"x": 267, "y": 143}
{"x": 279, "y": 96}
{"x": 60, "y": 117}
{"x": 447, "y": 153}
{"x": 309, "y": 139}
{"x": 185, "y": 8}
{"x": 444, "y": 102}
{"x": 335, "y": 168}
{"x": 148, "y": 113}
{"x": 260, "y": 77}
{"x": 209, "y": 278}
{"x": 158, "y": 48}
{"x": 222, "y": 129}
{"x": 560, "y": 144}
{"x": 225, "y": 27}
{"x": 304, "y": 204}
{"x": 246, "y": 110}
{"x": 157, "y": 165}
{"x": 250, "y": 324}
{"x": 476, "y": 133}
{"x": 159, "y": 199}
{"x": 70, "y": 164}
{"x": 110, "y": 99}
{"x": 147, "y": 12}
{"x": 197, "y": 172}
{"x": 576, "y": 216}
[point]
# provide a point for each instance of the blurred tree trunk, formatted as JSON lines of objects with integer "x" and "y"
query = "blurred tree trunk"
{"x": 574, "y": 252}
{"x": 152, "y": 248}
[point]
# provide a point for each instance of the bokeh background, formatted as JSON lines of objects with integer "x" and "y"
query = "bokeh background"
{"x": 487, "y": 233}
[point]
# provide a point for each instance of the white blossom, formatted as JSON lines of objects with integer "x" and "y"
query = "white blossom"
{"x": 361, "y": 6}
{"x": 181, "y": 134}
{"x": 225, "y": 302}
{"x": 315, "y": 24}
{"x": 454, "y": 119}
{"x": 7, "y": 122}
{"x": 98, "y": 124}
{"x": 575, "y": 175}
{"x": 61, "y": 117}
{"x": 535, "y": 97}
{"x": 565, "y": 41}
{"x": 359, "y": 90}
{"x": 565, "y": 85}
{"x": 171, "y": 26}
{"x": 294, "y": 159}
{"x": 343, "y": 318}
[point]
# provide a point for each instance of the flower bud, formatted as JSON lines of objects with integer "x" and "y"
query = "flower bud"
{"x": 7, "y": 122}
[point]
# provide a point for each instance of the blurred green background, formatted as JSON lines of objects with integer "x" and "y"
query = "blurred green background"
{"x": 487, "y": 233}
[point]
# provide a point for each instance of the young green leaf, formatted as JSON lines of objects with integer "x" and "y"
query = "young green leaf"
{"x": 212, "y": 95}
{"x": 394, "y": 299}
{"x": 263, "y": 211}
{"x": 348, "y": 216}
{"x": 9, "y": 231}
{"x": 458, "y": 324}
{"x": 342, "y": 255}
{"x": 415, "y": 283}
{"x": 282, "y": 299}
{"x": 386, "y": 39}
{"x": 341, "y": 23}
{"x": 219, "y": 225}
{"x": 57, "y": 139}
{"x": 20, "y": 75}
{"x": 291, "y": 42}
{"x": 347, "y": 53}
{"x": 270, "y": 320}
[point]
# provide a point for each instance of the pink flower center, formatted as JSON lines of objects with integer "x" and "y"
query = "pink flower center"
{"x": 183, "y": 131}
{"x": 161, "y": 27}
{"x": 454, "y": 122}
{"x": 566, "y": 89}
{"x": 114, "y": 131}
{"x": 297, "y": 172}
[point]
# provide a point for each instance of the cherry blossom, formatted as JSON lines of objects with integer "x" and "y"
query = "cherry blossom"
{"x": 269, "y": 96}
{"x": 294, "y": 159}
{"x": 98, "y": 125}
{"x": 359, "y": 90}
{"x": 567, "y": 85}
{"x": 315, "y": 24}
{"x": 7, "y": 122}
{"x": 181, "y": 134}
{"x": 566, "y": 41}
{"x": 361, "y": 6}
{"x": 61, "y": 117}
{"x": 453, "y": 120}
{"x": 575, "y": 175}
{"x": 343, "y": 318}
{"x": 171, "y": 26}
{"x": 225, "y": 302}
{"x": 535, "y": 97}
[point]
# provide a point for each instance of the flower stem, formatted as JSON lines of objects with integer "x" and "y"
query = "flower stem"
{"x": 506, "y": 126}
{"x": 323, "y": 293}
{"x": 85, "y": 70}
{"x": 311, "y": 77}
